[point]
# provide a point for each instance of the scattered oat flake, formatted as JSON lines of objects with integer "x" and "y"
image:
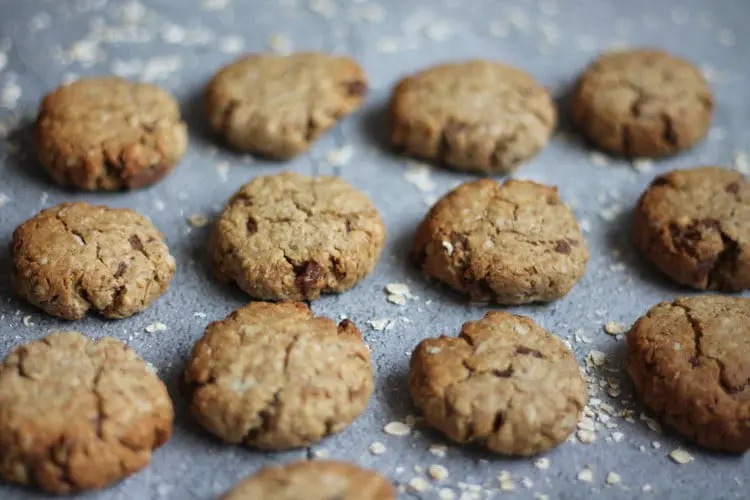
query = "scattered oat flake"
{"x": 653, "y": 425}
{"x": 656, "y": 445}
{"x": 596, "y": 358}
{"x": 281, "y": 44}
{"x": 419, "y": 174}
{"x": 613, "y": 478}
{"x": 340, "y": 156}
{"x": 643, "y": 165}
{"x": 446, "y": 494}
{"x": 437, "y": 472}
{"x": 598, "y": 159}
{"x": 222, "y": 169}
{"x": 399, "y": 300}
{"x": 156, "y": 327}
{"x": 377, "y": 448}
{"x": 587, "y": 424}
{"x": 380, "y": 324}
{"x": 387, "y": 45}
{"x": 4, "y": 199}
{"x": 418, "y": 485}
{"x": 506, "y": 482}
{"x": 439, "y": 450}
{"x": 320, "y": 453}
{"x": 614, "y": 328}
{"x": 586, "y": 436}
{"x": 542, "y": 463}
{"x": 27, "y": 321}
{"x": 397, "y": 429}
{"x": 617, "y": 436}
{"x": 680, "y": 456}
{"x": 397, "y": 288}
{"x": 586, "y": 475}
{"x": 197, "y": 220}
{"x": 741, "y": 162}
{"x": 527, "y": 483}
{"x": 231, "y": 44}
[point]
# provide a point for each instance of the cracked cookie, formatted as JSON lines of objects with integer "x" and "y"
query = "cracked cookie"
{"x": 313, "y": 480}
{"x": 277, "y": 105}
{"x": 478, "y": 116}
{"x": 690, "y": 362}
{"x": 76, "y": 257}
{"x": 273, "y": 376}
{"x": 504, "y": 383}
{"x": 511, "y": 243}
{"x": 109, "y": 134}
{"x": 642, "y": 103}
{"x": 78, "y": 414}
{"x": 694, "y": 225}
{"x": 292, "y": 237}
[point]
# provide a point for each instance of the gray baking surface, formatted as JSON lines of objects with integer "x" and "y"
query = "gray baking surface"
{"x": 178, "y": 45}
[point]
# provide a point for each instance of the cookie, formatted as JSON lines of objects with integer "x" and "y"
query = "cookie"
{"x": 511, "y": 243}
{"x": 273, "y": 376}
{"x": 690, "y": 362}
{"x": 313, "y": 480}
{"x": 78, "y": 414}
{"x": 292, "y": 237}
{"x": 694, "y": 225}
{"x": 478, "y": 116}
{"x": 642, "y": 103}
{"x": 75, "y": 257}
{"x": 504, "y": 383}
{"x": 277, "y": 105}
{"x": 109, "y": 134}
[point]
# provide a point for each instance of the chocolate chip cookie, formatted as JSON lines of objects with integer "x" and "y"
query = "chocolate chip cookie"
{"x": 642, "y": 103}
{"x": 75, "y": 257}
{"x": 695, "y": 226}
{"x": 503, "y": 383}
{"x": 690, "y": 361}
{"x": 78, "y": 414}
{"x": 109, "y": 134}
{"x": 277, "y": 105}
{"x": 293, "y": 237}
{"x": 511, "y": 243}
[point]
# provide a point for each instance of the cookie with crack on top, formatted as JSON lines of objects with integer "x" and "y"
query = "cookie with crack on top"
{"x": 274, "y": 376}
{"x": 78, "y": 414}
{"x": 504, "y": 383}
{"x": 293, "y": 237}
{"x": 313, "y": 480}
{"x": 109, "y": 134}
{"x": 694, "y": 225}
{"x": 277, "y": 105}
{"x": 690, "y": 362}
{"x": 642, "y": 103}
{"x": 478, "y": 116}
{"x": 74, "y": 258}
{"x": 511, "y": 243}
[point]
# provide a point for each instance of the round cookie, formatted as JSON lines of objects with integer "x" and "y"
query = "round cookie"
{"x": 642, "y": 103}
{"x": 513, "y": 243}
{"x": 503, "y": 383}
{"x": 275, "y": 377}
{"x": 478, "y": 116}
{"x": 292, "y": 237}
{"x": 313, "y": 480}
{"x": 277, "y": 105}
{"x": 690, "y": 361}
{"x": 695, "y": 226}
{"x": 78, "y": 414}
{"x": 77, "y": 257}
{"x": 109, "y": 134}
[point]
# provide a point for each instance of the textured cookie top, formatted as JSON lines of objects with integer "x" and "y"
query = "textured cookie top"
{"x": 696, "y": 225}
{"x": 504, "y": 382}
{"x": 109, "y": 133}
{"x": 77, "y": 414}
{"x": 276, "y": 105}
{"x": 274, "y": 376}
{"x": 313, "y": 480}
{"x": 511, "y": 243}
{"x": 289, "y": 236}
{"x": 77, "y": 257}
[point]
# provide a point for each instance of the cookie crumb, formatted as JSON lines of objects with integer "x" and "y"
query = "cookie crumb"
{"x": 377, "y": 448}
{"x": 156, "y": 327}
{"x": 586, "y": 436}
{"x": 437, "y": 472}
{"x": 614, "y": 328}
{"x": 397, "y": 429}
{"x": 680, "y": 456}
{"x": 197, "y": 220}
{"x": 613, "y": 478}
{"x": 596, "y": 358}
{"x": 542, "y": 463}
{"x": 586, "y": 476}
{"x": 439, "y": 450}
{"x": 418, "y": 485}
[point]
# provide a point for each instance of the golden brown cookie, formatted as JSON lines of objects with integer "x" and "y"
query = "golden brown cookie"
{"x": 292, "y": 237}
{"x": 477, "y": 115}
{"x": 503, "y": 383}
{"x": 695, "y": 226}
{"x": 277, "y": 105}
{"x": 78, "y": 414}
{"x": 109, "y": 134}
{"x": 690, "y": 361}
{"x": 274, "y": 376}
{"x": 313, "y": 480}
{"x": 76, "y": 257}
{"x": 642, "y": 103}
{"x": 511, "y": 243}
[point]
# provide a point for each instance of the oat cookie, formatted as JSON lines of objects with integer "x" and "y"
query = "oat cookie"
{"x": 695, "y": 226}
{"x": 274, "y": 376}
{"x": 477, "y": 115}
{"x": 503, "y": 383}
{"x": 78, "y": 414}
{"x": 690, "y": 361}
{"x": 313, "y": 480}
{"x": 76, "y": 257}
{"x": 277, "y": 105}
{"x": 293, "y": 237}
{"x": 511, "y": 243}
{"x": 109, "y": 134}
{"x": 642, "y": 103}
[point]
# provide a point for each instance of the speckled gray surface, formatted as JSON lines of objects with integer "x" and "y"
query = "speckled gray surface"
{"x": 179, "y": 44}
